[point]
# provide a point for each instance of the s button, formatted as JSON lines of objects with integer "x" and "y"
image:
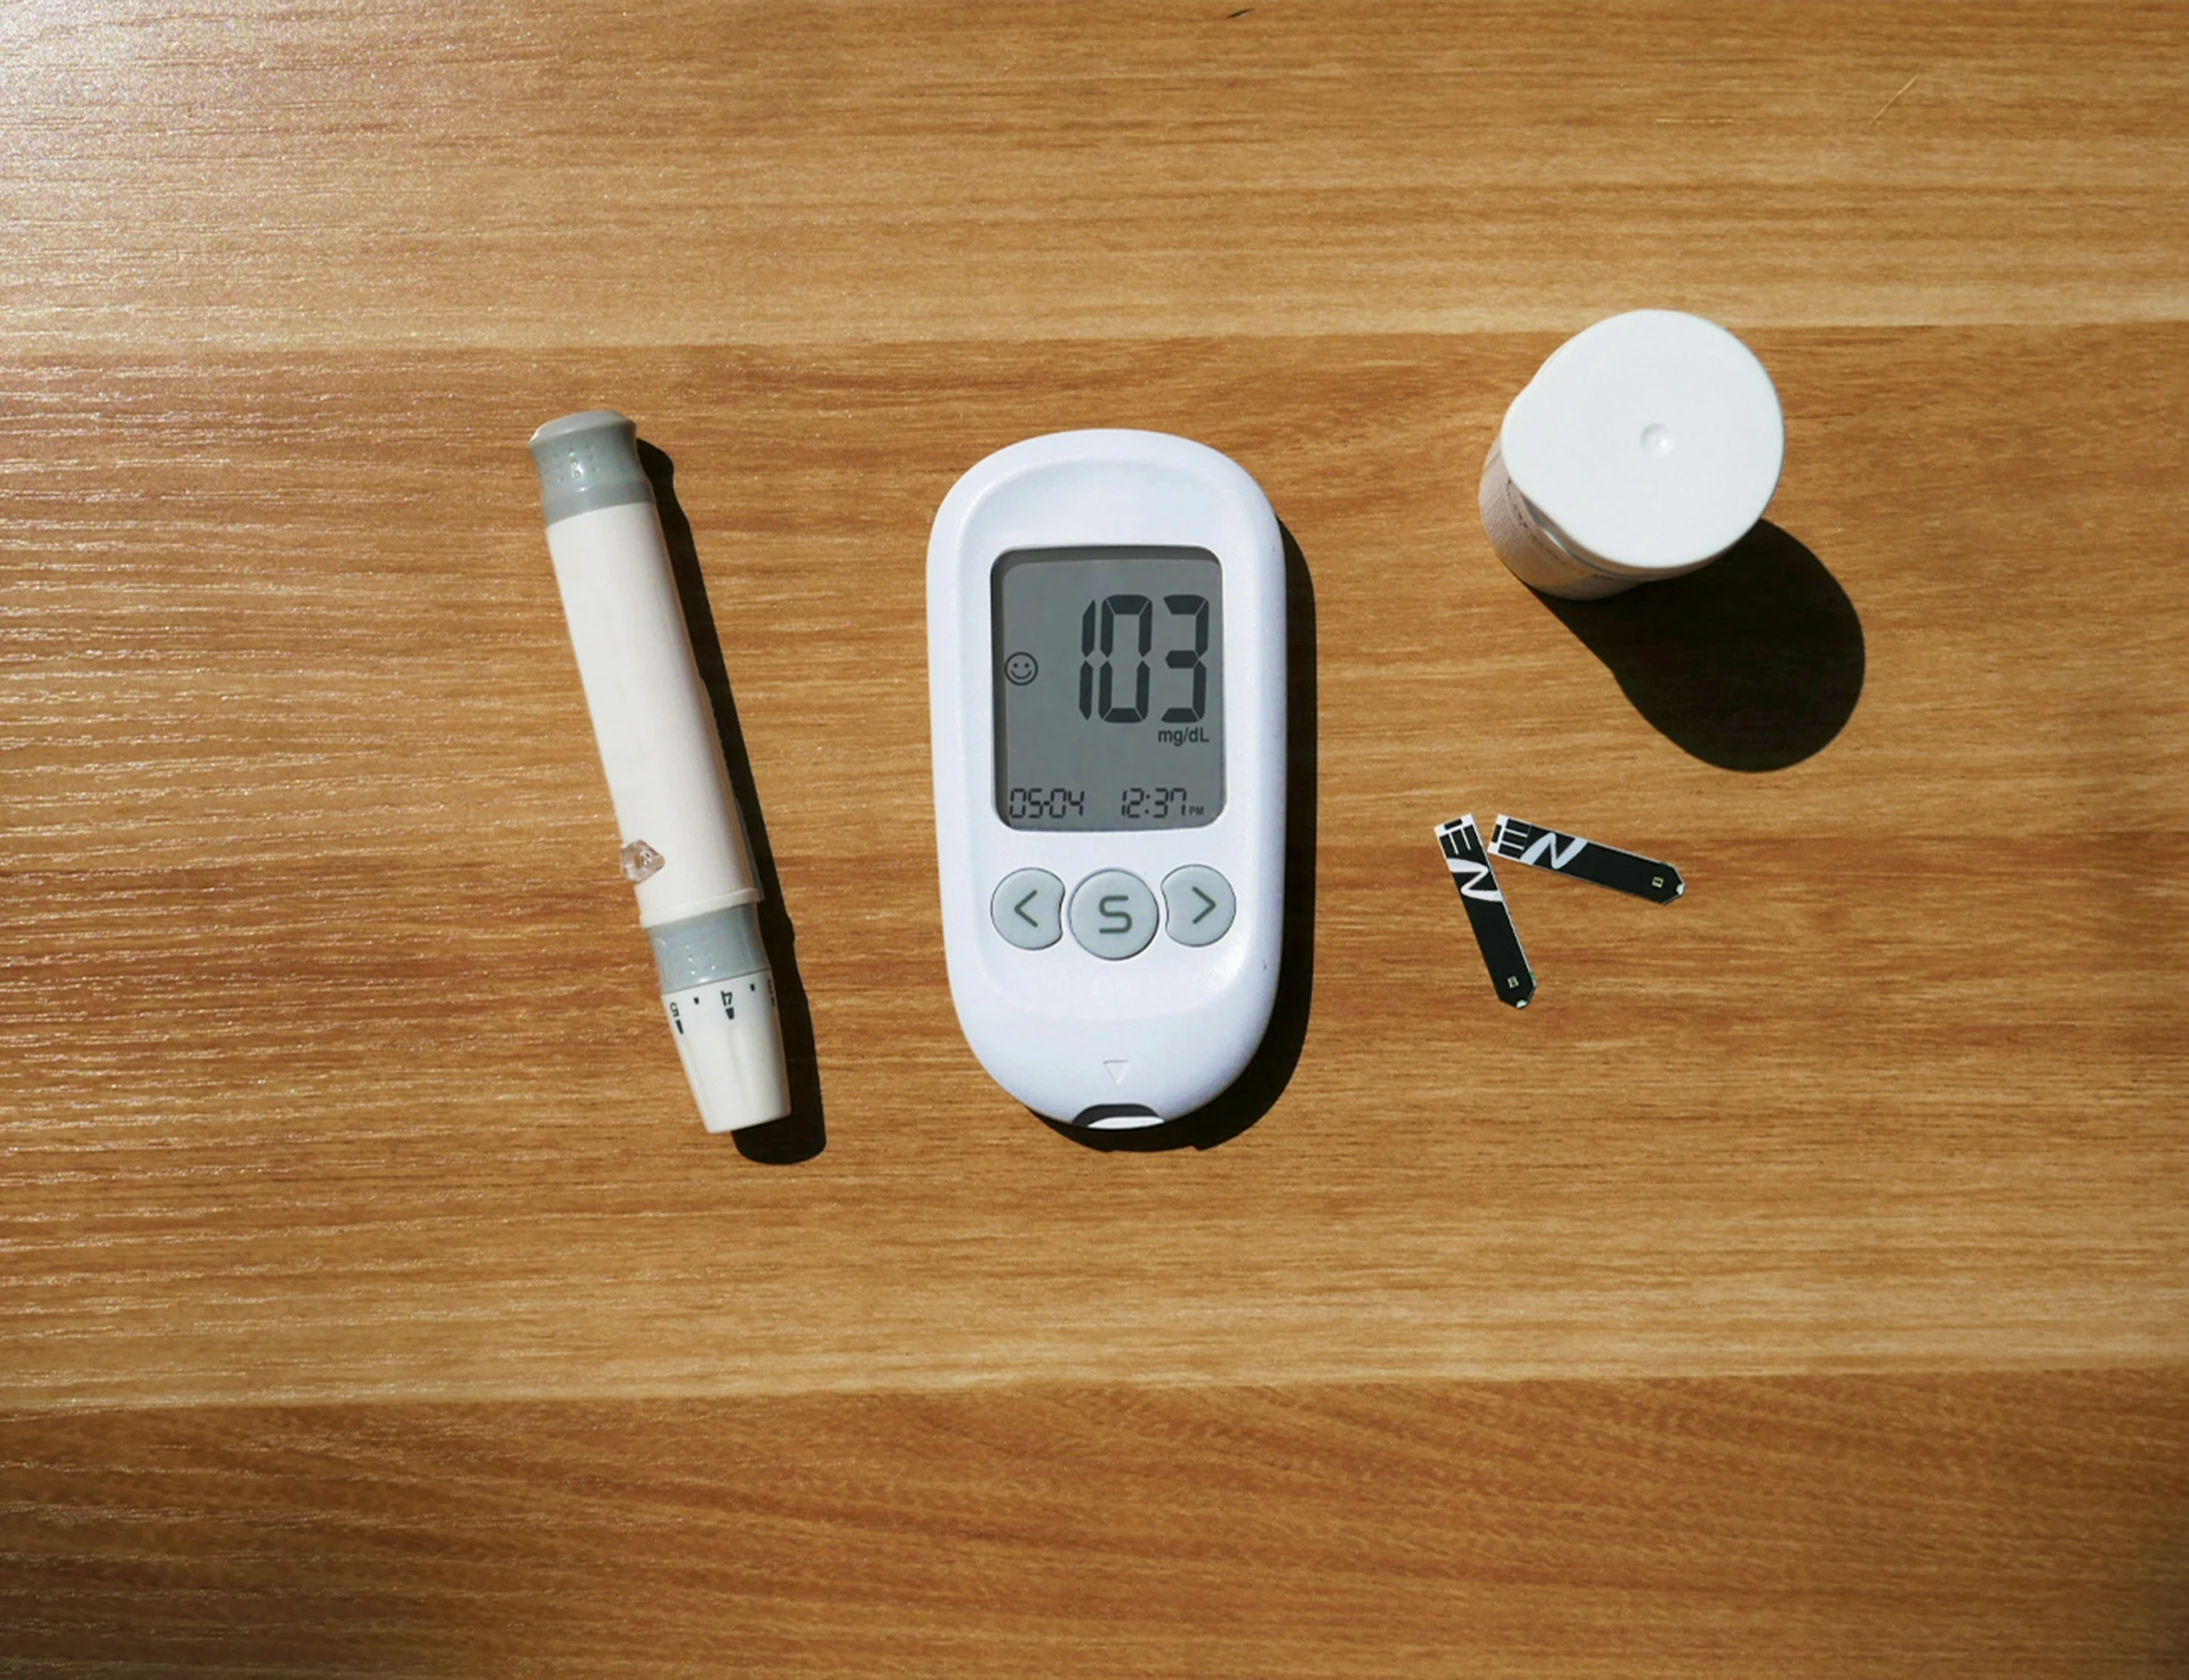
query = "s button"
{"x": 1114, "y": 914}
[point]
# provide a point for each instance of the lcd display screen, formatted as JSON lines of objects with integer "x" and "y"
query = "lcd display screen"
{"x": 1108, "y": 687}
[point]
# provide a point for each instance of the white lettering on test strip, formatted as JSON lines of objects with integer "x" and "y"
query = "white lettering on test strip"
{"x": 1549, "y": 843}
{"x": 1471, "y": 885}
{"x": 1451, "y": 839}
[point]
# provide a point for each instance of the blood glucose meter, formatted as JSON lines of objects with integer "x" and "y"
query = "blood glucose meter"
{"x": 1106, "y": 664}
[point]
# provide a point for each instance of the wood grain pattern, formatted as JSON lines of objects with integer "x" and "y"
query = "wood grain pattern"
{"x": 351, "y": 1201}
{"x": 388, "y": 1108}
{"x": 1832, "y": 1527}
{"x": 537, "y": 176}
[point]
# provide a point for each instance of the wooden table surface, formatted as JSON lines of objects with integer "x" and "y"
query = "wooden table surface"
{"x": 1800, "y": 1287}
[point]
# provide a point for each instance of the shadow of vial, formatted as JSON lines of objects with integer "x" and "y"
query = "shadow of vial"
{"x": 1752, "y": 663}
{"x": 800, "y": 1134}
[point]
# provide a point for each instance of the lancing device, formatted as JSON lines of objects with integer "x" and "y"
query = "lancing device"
{"x": 684, "y": 844}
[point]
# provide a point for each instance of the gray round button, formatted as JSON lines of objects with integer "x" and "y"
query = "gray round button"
{"x": 1027, "y": 908}
{"x": 1199, "y": 905}
{"x": 1114, "y": 914}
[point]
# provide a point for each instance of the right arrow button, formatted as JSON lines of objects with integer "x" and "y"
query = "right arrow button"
{"x": 1197, "y": 904}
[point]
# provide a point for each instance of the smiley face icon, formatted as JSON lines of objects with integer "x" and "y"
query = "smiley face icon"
{"x": 1019, "y": 670}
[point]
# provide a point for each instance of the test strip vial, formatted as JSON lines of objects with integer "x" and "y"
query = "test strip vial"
{"x": 1644, "y": 448}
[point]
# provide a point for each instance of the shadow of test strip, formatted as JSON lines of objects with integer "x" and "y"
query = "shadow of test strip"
{"x": 1464, "y": 856}
{"x": 1570, "y": 855}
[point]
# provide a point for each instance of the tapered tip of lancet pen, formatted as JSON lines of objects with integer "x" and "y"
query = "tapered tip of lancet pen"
{"x": 721, "y": 1000}
{"x": 730, "y": 1040}
{"x": 586, "y": 462}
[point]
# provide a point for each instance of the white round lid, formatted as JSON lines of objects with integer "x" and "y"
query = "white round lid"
{"x": 1653, "y": 440}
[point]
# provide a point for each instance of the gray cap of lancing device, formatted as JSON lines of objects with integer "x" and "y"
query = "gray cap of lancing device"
{"x": 589, "y": 461}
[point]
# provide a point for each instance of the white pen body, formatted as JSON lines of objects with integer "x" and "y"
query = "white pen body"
{"x": 651, "y": 716}
{"x": 683, "y": 844}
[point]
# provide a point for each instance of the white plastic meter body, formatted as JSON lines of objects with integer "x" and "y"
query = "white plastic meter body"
{"x": 1106, "y": 671}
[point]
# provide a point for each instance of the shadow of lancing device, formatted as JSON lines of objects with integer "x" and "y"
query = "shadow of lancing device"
{"x": 800, "y": 1134}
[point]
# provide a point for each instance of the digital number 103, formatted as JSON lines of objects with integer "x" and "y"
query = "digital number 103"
{"x": 1100, "y": 688}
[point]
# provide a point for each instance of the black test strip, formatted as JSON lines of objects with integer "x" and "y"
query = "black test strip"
{"x": 1509, "y": 974}
{"x": 1570, "y": 855}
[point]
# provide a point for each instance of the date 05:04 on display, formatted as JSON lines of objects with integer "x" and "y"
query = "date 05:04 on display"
{"x": 1135, "y": 804}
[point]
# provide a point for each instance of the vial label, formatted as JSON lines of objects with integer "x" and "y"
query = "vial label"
{"x": 1529, "y": 552}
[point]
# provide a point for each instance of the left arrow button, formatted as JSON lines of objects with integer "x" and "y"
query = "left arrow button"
{"x": 1028, "y": 908}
